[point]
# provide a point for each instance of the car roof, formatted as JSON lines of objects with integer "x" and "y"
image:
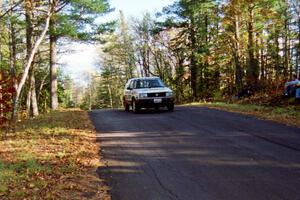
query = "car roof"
{"x": 144, "y": 78}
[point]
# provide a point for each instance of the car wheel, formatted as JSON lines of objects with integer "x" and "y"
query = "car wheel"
{"x": 126, "y": 106}
{"x": 135, "y": 107}
{"x": 171, "y": 107}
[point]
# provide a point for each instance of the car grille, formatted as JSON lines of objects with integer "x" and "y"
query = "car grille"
{"x": 159, "y": 94}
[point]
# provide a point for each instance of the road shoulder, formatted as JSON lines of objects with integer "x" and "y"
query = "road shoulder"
{"x": 289, "y": 116}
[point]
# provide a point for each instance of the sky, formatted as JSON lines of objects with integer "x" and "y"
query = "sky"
{"x": 82, "y": 58}
{"x": 138, "y": 7}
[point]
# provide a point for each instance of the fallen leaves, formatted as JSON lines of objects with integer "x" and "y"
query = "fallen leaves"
{"x": 286, "y": 115}
{"x": 51, "y": 157}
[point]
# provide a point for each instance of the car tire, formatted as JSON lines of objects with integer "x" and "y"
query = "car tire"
{"x": 170, "y": 107}
{"x": 135, "y": 107}
{"x": 126, "y": 106}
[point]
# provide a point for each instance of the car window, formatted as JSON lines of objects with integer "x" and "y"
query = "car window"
{"x": 149, "y": 83}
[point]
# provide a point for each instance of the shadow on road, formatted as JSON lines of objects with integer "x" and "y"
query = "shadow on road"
{"x": 197, "y": 154}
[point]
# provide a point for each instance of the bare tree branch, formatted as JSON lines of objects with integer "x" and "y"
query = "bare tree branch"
{"x": 11, "y": 9}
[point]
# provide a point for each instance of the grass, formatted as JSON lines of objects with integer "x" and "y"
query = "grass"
{"x": 54, "y": 156}
{"x": 287, "y": 115}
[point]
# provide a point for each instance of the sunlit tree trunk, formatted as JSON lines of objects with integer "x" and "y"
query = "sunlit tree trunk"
{"x": 29, "y": 60}
{"x": 31, "y": 102}
{"x": 53, "y": 65}
{"x": 236, "y": 54}
{"x": 28, "y": 100}
{"x": 35, "y": 109}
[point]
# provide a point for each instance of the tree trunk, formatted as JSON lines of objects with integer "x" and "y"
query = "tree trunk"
{"x": 29, "y": 31}
{"x": 28, "y": 98}
{"x": 30, "y": 60}
{"x": 31, "y": 102}
{"x": 110, "y": 93}
{"x": 262, "y": 61}
{"x": 253, "y": 69}
{"x": 204, "y": 82}
{"x": 13, "y": 48}
{"x": 276, "y": 56}
{"x": 193, "y": 62}
{"x": 53, "y": 65}
{"x": 145, "y": 64}
{"x": 41, "y": 85}
{"x": 236, "y": 55}
{"x": 298, "y": 52}
{"x": 286, "y": 46}
{"x": 34, "y": 103}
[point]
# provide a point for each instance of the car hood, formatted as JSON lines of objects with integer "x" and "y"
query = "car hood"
{"x": 153, "y": 90}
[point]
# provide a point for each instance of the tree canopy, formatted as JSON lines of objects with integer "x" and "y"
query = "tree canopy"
{"x": 208, "y": 49}
{"x": 202, "y": 49}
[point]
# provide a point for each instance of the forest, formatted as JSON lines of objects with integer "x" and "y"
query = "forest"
{"x": 31, "y": 81}
{"x": 205, "y": 50}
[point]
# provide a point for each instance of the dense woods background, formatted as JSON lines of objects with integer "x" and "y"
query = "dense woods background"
{"x": 205, "y": 49}
{"x": 202, "y": 49}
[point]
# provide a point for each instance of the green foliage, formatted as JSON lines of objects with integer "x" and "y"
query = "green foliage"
{"x": 77, "y": 19}
{"x": 21, "y": 22}
{"x": 208, "y": 49}
{"x": 90, "y": 6}
{"x": 200, "y": 48}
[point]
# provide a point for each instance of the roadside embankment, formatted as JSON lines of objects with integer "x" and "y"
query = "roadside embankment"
{"x": 287, "y": 115}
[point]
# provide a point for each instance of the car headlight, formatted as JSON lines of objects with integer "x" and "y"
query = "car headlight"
{"x": 143, "y": 95}
{"x": 169, "y": 94}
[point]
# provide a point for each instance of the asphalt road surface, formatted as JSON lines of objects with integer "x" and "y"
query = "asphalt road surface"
{"x": 196, "y": 153}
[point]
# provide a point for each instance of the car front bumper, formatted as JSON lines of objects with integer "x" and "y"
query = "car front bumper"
{"x": 155, "y": 102}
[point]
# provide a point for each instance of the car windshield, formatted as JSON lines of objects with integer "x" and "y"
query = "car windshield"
{"x": 149, "y": 83}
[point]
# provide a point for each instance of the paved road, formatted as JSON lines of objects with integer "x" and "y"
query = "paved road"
{"x": 196, "y": 153}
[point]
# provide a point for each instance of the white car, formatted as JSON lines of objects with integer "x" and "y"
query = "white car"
{"x": 147, "y": 92}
